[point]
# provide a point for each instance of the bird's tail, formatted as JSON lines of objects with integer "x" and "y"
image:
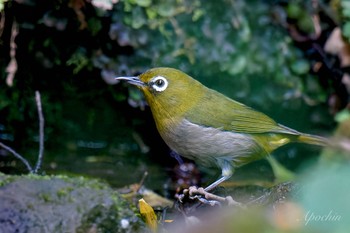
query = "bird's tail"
{"x": 313, "y": 139}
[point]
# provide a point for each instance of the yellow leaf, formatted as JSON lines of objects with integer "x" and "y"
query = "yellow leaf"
{"x": 148, "y": 214}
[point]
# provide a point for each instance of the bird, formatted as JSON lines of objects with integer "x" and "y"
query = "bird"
{"x": 209, "y": 128}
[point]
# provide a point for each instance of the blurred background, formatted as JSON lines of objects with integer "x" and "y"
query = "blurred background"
{"x": 288, "y": 59}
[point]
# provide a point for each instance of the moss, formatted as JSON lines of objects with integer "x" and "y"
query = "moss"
{"x": 64, "y": 192}
{"x": 63, "y": 204}
{"x": 37, "y": 177}
{"x": 46, "y": 197}
{"x": 4, "y": 179}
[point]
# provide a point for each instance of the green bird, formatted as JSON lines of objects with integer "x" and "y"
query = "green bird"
{"x": 204, "y": 125}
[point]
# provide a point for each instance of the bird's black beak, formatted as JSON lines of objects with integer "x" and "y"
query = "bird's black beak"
{"x": 132, "y": 80}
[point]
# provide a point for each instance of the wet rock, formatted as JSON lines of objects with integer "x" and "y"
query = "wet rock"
{"x": 37, "y": 204}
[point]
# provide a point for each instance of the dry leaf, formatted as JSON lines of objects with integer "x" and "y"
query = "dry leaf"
{"x": 336, "y": 45}
{"x": 148, "y": 214}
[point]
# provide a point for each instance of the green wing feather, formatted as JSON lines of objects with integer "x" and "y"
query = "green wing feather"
{"x": 231, "y": 115}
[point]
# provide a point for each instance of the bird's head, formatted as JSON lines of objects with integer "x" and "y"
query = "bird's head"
{"x": 167, "y": 88}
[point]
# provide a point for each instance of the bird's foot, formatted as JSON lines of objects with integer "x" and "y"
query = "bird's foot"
{"x": 208, "y": 198}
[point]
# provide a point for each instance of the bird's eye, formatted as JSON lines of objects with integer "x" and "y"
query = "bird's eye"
{"x": 159, "y": 83}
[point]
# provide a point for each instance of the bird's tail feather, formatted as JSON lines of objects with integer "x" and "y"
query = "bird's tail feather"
{"x": 313, "y": 139}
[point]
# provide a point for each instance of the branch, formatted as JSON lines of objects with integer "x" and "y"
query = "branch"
{"x": 41, "y": 131}
{"x": 12, "y": 67}
{"x": 41, "y": 140}
{"x": 18, "y": 156}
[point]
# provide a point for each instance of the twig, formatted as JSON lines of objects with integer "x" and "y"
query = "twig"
{"x": 142, "y": 181}
{"x": 18, "y": 156}
{"x": 41, "y": 131}
{"x": 41, "y": 140}
{"x": 316, "y": 20}
{"x": 2, "y": 22}
{"x": 11, "y": 68}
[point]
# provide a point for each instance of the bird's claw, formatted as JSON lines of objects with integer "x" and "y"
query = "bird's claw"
{"x": 207, "y": 198}
{"x": 206, "y": 201}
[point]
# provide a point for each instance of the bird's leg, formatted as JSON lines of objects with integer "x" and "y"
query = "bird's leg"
{"x": 204, "y": 196}
{"x": 226, "y": 172}
{"x": 216, "y": 183}
{"x": 176, "y": 156}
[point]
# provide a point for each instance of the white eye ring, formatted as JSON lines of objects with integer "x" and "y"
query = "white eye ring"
{"x": 159, "y": 83}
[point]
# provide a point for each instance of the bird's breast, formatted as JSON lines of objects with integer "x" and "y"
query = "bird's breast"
{"x": 207, "y": 144}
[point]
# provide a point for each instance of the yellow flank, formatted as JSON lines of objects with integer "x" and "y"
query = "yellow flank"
{"x": 278, "y": 143}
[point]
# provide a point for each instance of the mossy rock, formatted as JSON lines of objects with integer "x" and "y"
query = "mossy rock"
{"x": 38, "y": 204}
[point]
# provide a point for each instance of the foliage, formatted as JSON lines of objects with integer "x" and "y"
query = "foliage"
{"x": 345, "y": 10}
{"x": 2, "y": 3}
{"x": 64, "y": 48}
{"x": 233, "y": 38}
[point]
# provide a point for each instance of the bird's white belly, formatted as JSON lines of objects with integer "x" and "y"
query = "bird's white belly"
{"x": 206, "y": 144}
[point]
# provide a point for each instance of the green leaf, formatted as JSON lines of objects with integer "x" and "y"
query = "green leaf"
{"x": 79, "y": 60}
{"x": 346, "y": 30}
{"x": 166, "y": 10}
{"x": 143, "y": 3}
{"x": 346, "y": 12}
{"x": 2, "y": 4}
{"x": 238, "y": 65}
{"x": 345, "y": 3}
{"x": 94, "y": 26}
{"x": 294, "y": 11}
{"x": 197, "y": 14}
{"x": 138, "y": 18}
{"x": 151, "y": 13}
{"x": 342, "y": 116}
{"x": 300, "y": 67}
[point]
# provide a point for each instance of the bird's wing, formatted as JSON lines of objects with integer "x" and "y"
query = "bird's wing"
{"x": 218, "y": 111}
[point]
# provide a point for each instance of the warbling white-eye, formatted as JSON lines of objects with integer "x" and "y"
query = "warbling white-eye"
{"x": 208, "y": 127}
